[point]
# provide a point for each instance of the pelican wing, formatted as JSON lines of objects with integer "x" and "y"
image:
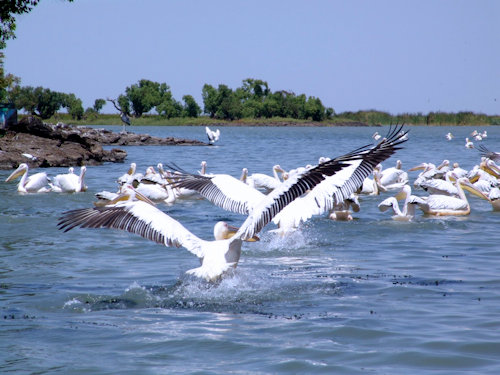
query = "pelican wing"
{"x": 355, "y": 167}
{"x": 343, "y": 176}
{"x": 489, "y": 154}
{"x": 222, "y": 190}
{"x": 445, "y": 202}
{"x": 135, "y": 217}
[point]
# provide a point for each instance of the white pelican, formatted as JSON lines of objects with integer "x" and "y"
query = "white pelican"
{"x": 393, "y": 178}
{"x": 70, "y": 182}
{"x": 213, "y": 136}
{"x": 449, "y": 136}
{"x": 219, "y": 256}
{"x": 468, "y": 143}
{"x": 36, "y": 183}
{"x": 444, "y": 205}
{"x": 353, "y": 167}
{"x": 376, "y": 136}
{"x": 494, "y": 197}
{"x": 223, "y": 190}
{"x": 458, "y": 171}
{"x": 128, "y": 177}
{"x": 408, "y": 211}
{"x": 495, "y": 156}
{"x": 341, "y": 211}
{"x": 439, "y": 186}
{"x": 265, "y": 182}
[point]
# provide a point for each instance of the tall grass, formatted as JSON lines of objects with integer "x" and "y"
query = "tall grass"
{"x": 369, "y": 117}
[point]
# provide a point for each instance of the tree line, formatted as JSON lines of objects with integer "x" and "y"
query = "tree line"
{"x": 254, "y": 99}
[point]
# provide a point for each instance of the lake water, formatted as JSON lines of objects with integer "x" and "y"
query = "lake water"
{"x": 370, "y": 296}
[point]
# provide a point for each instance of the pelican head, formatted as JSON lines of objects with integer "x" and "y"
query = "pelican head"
{"x": 466, "y": 185}
{"x": 22, "y": 169}
{"x": 224, "y": 231}
{"x": 132, "y": 169}
{"x": 419, "y": 167}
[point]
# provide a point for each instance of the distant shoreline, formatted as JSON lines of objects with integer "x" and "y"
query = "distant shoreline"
{"x": 372, "y": 119}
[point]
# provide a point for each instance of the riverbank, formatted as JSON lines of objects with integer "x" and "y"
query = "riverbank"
{"x": 359, "y": 118}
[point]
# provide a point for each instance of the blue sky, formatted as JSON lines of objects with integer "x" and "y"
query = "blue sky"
{"x": 393, "y": 55}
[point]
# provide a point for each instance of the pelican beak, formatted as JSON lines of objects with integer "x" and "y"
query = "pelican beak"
{"x": 474, "y": 178}
{"x": 472, "y": 189}
{"x": 18, "y": 172}
{"x": 232, "y": 231}
{"x": 417, "y": 168}
{"x": 143, "y": 198}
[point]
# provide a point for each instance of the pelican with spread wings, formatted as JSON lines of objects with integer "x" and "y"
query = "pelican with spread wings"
{"x": 222, "y": 255}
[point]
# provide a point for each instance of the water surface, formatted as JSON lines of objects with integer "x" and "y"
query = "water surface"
{"x": 367, "y": 296}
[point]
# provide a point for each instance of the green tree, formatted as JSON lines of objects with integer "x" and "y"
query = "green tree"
{"x": 146, "y": 95}
{"x": 73, "y": 105}
{"x": 315, "y": 109}
{"x": 191, "y": 108}
{"x": 210, "y": 100}
{"x": 98, "y": 104}
{"x": 169, "y": 107}
{"x": 229, "y": 107}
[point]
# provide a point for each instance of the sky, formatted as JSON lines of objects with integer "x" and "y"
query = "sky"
{"x": 397, "y": 56}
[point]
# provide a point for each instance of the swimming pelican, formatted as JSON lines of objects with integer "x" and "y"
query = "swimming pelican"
{"x": 70, "y": 182}
{"x": 468, "y": 143}
{"x": 458, "y": 171}
{"x": 219, "y": 256}
{"x": 265, "y": 182}
{"x": 376, "y": 136}
{"x": 439, "y": 186}
{"x": 494, "y": 197}
{"x": 393, "y": 178}
{"x": 213, "y": 136}
{"x": 36, "y": 183}
{"x": 128, "y": 177}
{"x": 371, "y": 186}
{"x": 449, "y": 136}
{"x": 340, "y": 212}
{"x": 408, "y": 211}
{"x": 444, "y": 205}
{"x": 356, "y": 166}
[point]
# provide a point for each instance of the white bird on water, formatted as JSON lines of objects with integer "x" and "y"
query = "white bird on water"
{"x": 222, "y": 255}
{"x": 322, "y": 198}
{"x": 213, "y": 136}
{"x": 70, "y": 182}
{"x": 36, "y": 183}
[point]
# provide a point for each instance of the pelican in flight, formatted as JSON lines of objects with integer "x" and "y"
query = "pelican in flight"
{"x": 495, "y": 156}
{"x": 222, "y": 255}
{"x": 70, "y": 182}
{"x": 353, "y": 168}
{"x": 36, "y": 183}
{"x": 213, "y": 136}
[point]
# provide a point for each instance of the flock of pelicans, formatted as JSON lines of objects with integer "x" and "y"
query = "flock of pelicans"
{"x": 288, "y": 198}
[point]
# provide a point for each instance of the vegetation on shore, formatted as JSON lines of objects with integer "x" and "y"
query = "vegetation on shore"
{"x": 370, "y": 118}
